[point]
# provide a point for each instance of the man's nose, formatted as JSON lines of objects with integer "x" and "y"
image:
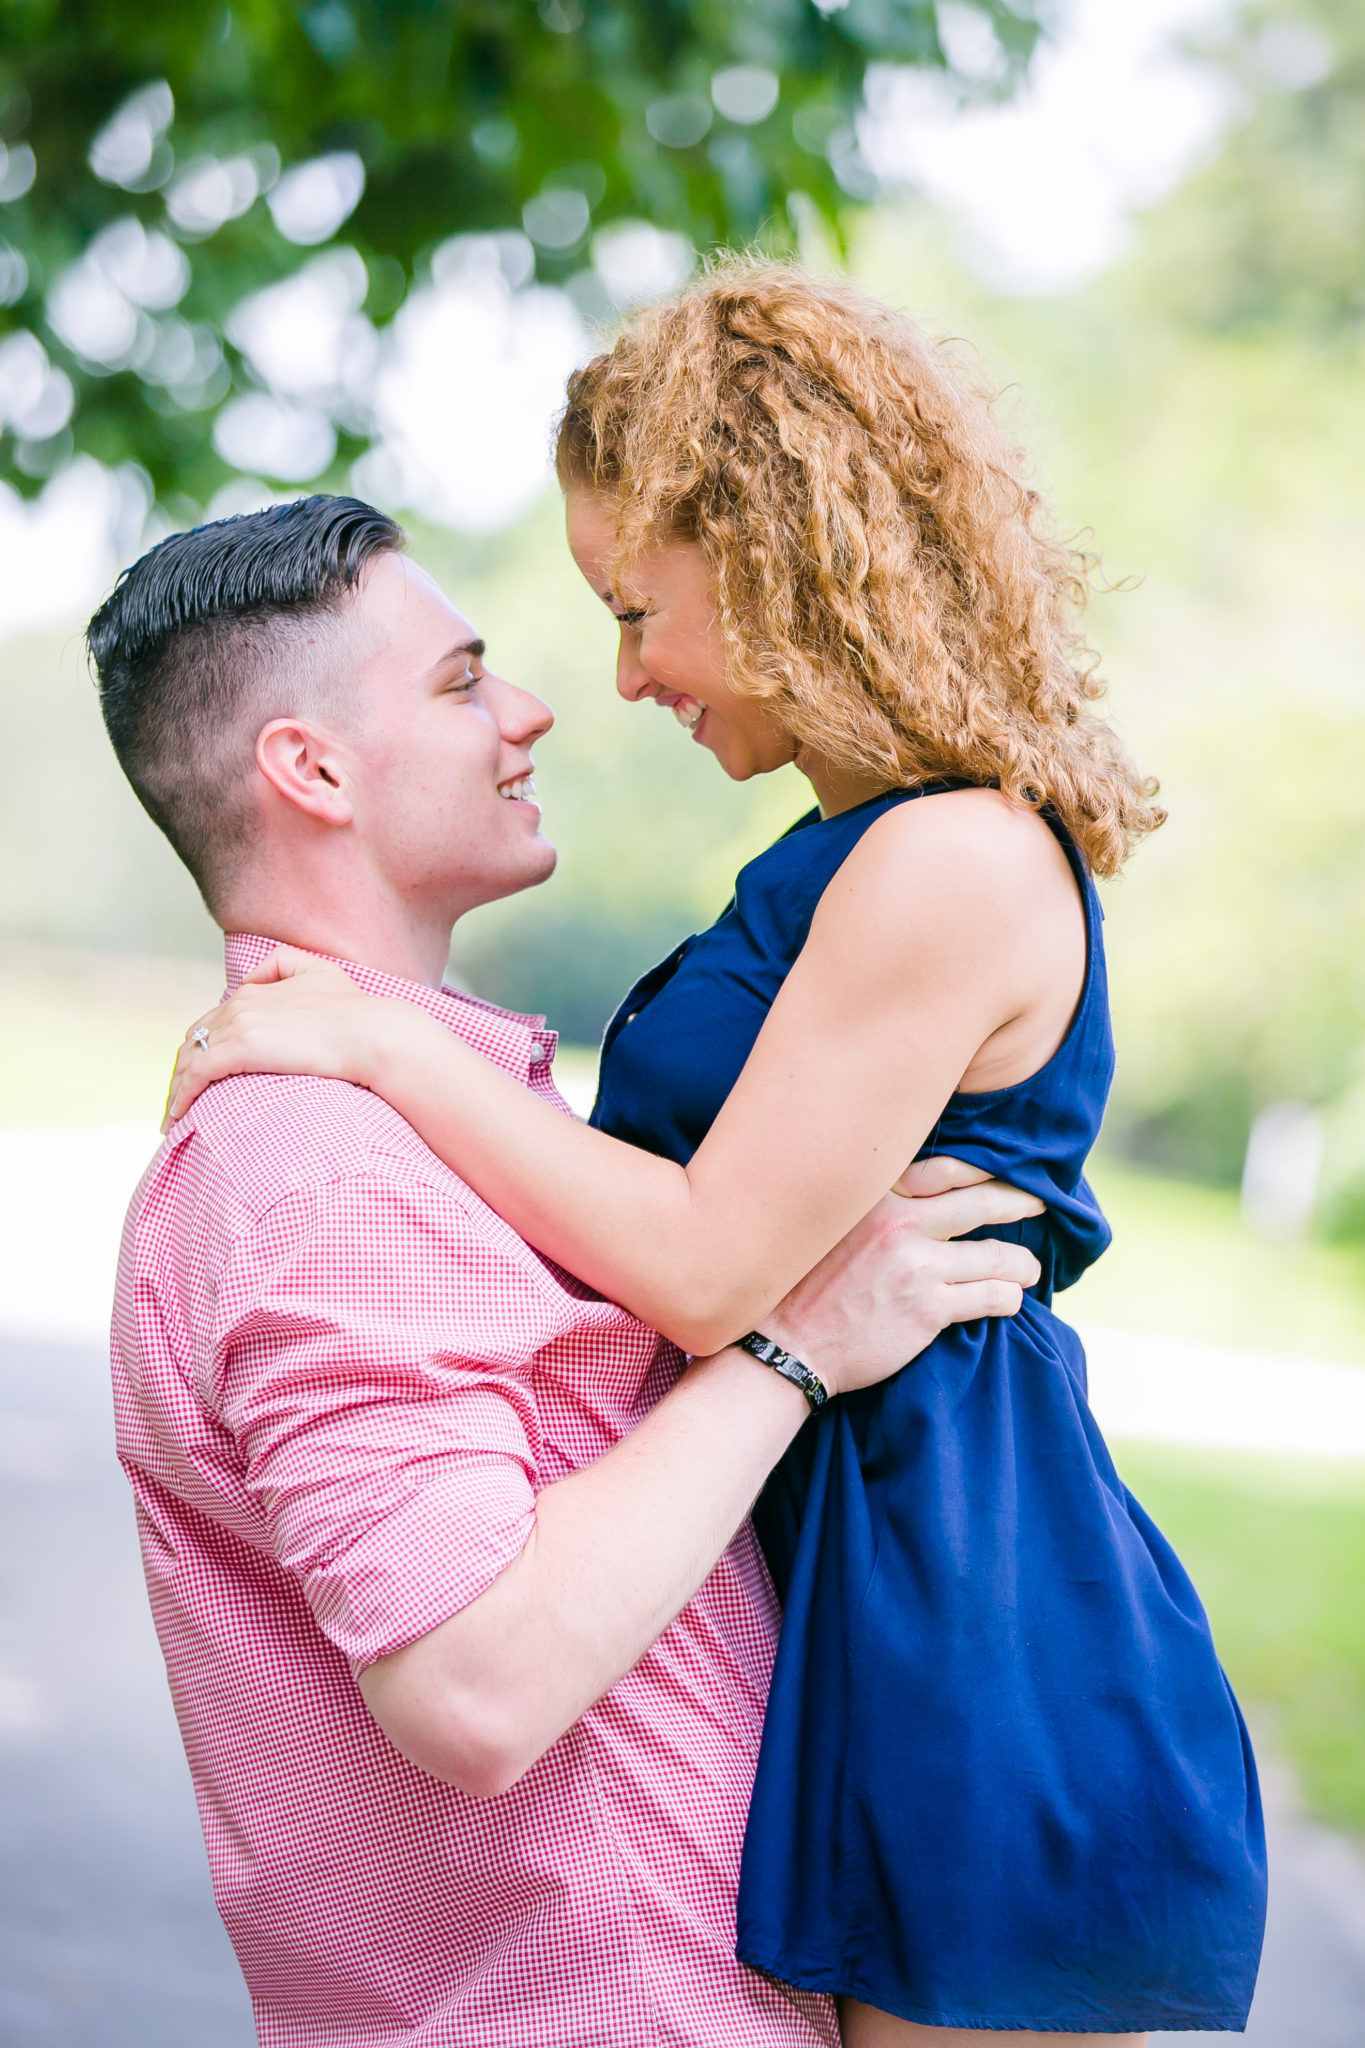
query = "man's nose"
{"x": 522, "y": 717}
{"x": 632, "y": 677}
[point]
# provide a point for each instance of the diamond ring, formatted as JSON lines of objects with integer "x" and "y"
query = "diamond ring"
{"x": 200, "y": 1038}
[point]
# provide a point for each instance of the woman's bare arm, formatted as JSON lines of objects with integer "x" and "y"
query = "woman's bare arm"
{"x": 950, "y": 945}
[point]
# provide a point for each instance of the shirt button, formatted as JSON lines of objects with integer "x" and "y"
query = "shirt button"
{"x": 539, "y": 1055}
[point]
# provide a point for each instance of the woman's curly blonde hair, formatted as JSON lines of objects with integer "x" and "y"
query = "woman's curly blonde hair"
{"x": 885, "y": 578}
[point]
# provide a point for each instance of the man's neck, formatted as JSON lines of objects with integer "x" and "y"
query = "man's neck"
{"x": 389, "y": 945}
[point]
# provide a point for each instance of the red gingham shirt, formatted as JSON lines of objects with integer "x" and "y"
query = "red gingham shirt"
{"x": 340, "y": 1380}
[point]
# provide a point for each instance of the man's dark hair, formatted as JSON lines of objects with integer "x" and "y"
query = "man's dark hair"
{"x": 209, "y": 633}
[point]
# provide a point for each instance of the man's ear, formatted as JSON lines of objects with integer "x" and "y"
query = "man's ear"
{"x": 303, "y": 764}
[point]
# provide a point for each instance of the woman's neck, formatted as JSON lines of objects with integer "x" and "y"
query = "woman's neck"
{"x": 838, "y": 789}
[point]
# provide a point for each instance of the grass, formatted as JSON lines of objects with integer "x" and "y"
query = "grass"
{"x": 90, "y": 1039}
{"x": 1276, "y": 1549}
{"x": 1183, "y": 1263}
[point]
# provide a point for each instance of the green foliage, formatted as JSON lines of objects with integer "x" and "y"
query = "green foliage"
{"x": 1199, "y": 412}
{"x": 692, "y": 115}
{"x": 1185, "y": 1263}
{"x": 1217, "y": 471}
{"x": 1241, "y": 939}
{"x": 1273, "y": 231}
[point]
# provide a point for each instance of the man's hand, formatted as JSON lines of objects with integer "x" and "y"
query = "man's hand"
{"x": 621, "y": 1546}
{"x": 897, "y": 1279}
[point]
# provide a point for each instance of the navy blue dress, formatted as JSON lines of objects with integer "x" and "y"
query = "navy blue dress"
{"x": 1003, "y": 1781}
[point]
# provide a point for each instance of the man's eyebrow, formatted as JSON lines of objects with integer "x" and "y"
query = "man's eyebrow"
{"x": 473, "y": 650}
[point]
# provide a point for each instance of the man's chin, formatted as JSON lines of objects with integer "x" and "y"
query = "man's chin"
{"x": 536, "y": 863}
{"x": 545, "y": 861}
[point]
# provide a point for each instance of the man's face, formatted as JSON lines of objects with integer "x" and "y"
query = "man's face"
{"x": 438, "y": 754}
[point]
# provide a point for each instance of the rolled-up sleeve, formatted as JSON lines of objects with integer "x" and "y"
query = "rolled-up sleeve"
{"x": 373, "y": 1364}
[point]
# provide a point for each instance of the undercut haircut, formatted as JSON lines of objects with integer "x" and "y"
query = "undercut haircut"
{"x": 209, "y": 636}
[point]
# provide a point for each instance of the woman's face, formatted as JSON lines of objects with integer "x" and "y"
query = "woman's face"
{"x": 672, "y": 649}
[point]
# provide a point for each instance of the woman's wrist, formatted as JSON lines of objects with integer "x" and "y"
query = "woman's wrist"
{"x": 392, "y": 1038}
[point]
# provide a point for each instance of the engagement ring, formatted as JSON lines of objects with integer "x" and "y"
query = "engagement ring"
{"x": 200, "y": 1038}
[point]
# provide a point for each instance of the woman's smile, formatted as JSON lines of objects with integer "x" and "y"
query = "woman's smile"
{"x": 671, "y": 640}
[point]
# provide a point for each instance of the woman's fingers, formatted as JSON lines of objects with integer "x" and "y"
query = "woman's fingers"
{"x": 194, "y": 1068}
{"x": 311, "y": 1021}
{"x": 184, "y": 1052}
{"x": 168, "y": 1113}
{"x": 196, "y": 1065}
{"x": 269, "y": 969}
{"x": 287, "y": 963}
{"x": 204, "y": 1023}
{"x": 288, "y": 978}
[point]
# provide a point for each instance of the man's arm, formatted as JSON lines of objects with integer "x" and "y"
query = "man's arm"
{"x": 618, "y": 1549}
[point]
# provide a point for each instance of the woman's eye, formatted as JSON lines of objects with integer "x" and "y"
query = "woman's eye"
{"x": 636, "y": 618}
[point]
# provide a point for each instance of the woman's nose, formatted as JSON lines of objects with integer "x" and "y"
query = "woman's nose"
{"x": 632, "y": 677}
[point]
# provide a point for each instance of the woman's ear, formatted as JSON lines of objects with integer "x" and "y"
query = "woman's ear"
{"x": 303, "y": 765}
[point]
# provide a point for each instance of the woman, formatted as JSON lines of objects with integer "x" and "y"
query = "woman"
{"x": 1003, "y": 1784}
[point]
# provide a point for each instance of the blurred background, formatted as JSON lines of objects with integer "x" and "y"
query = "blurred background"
{"x": 358, "y": 244}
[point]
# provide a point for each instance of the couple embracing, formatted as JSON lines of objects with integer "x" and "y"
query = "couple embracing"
{"x": 445, "y": 1412}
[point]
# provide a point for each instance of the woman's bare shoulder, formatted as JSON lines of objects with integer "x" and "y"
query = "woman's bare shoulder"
{"x": 959, "y": 888}
{"x": 967, "y": 846}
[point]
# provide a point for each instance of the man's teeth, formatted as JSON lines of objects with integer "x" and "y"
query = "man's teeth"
{"x": 523, "y": 790}
{"x": 688, "y": 712}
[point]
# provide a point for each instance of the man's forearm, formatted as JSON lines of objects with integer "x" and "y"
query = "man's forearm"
{"x": 620, "y": 1547}
{"x": 617, "y": 1551}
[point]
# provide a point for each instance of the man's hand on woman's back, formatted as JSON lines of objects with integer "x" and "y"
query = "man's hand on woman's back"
{"x": 900, "y": 1276}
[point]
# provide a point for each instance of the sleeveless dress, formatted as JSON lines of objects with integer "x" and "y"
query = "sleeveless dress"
{"x": 1003, "y": 1781}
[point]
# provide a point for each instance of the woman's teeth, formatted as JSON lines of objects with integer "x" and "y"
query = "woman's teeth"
{"x": 688, "y": 712}
{"x": 523, "y": 790}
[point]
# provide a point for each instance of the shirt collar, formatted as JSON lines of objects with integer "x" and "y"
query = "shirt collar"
{"x": 513, "y": 1042}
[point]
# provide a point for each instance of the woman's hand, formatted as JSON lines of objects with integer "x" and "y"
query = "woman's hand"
{"x": 294, "y": 1014}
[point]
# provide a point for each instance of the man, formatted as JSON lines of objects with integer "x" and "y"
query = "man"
{"x": 467, "y": 1633}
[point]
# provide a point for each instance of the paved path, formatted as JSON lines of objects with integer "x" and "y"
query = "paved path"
{"x": 1312, "y": 1988}
{"x": 108, "y": 1937}
{"x": 108, "y": 1934}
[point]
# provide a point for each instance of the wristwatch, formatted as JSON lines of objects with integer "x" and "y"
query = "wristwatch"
{"x": 768, "y": 1353}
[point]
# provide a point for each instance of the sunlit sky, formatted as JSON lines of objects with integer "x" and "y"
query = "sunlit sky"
{"x": 1113, "y": 116}
{"x": 464, "y": 385}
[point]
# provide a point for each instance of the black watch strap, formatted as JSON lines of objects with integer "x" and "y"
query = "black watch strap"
{"x": 800, "y": 1375}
